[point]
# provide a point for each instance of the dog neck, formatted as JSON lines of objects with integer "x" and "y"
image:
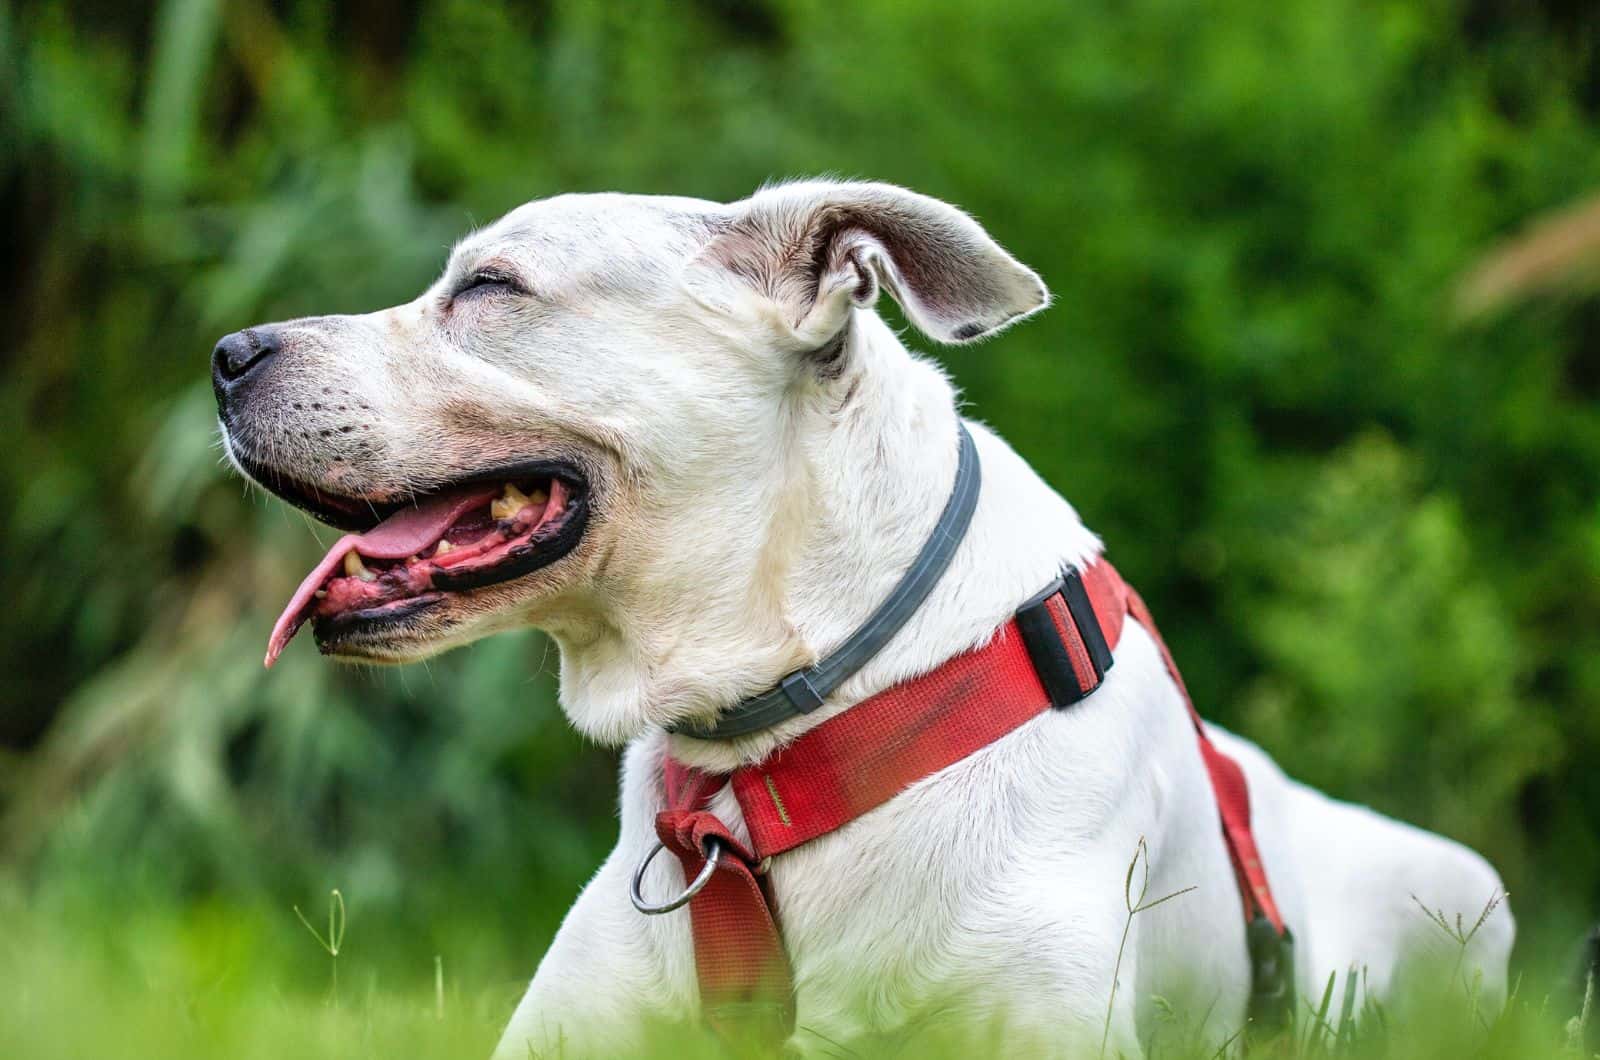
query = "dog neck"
{"x": 867, "y": 462}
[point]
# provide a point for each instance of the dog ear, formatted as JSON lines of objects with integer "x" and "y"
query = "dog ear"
{"x": 817, "y": 249}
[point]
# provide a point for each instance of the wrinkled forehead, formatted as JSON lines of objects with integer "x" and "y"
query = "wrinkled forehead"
{"x": 597, "y": 237}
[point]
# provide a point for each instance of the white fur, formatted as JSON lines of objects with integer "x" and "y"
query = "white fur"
{"x": 755, "y": 501}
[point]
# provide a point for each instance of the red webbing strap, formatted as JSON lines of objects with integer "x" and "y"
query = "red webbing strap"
{"x": 1228, "y": 784}
{"x": 866, "y": 756}
{"x": 746, "y": 989}
{"x": 862, "y": 758}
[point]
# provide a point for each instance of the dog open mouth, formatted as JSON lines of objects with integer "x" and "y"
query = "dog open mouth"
{"x": 474, "y": 534}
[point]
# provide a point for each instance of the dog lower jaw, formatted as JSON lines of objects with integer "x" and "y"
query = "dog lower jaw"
{"x": 395, "y": 633}
{"x": 397, "y": 649}
{"x": 424, "y": 627}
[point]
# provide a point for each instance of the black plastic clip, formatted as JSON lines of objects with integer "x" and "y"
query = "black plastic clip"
{"x": 1044, "y": 637}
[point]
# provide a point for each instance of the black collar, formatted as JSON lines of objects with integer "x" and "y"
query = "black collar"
{"x": 804, "y": 690}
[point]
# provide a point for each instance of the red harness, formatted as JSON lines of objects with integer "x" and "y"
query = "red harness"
{"x": 1053, "y": 652}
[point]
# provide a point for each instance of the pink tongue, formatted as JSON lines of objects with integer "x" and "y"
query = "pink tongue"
{"x": 405, "y": 533}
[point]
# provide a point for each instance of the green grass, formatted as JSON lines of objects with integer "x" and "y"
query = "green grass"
{"x": 212, "y": 980}
{"x": 83, "y": 978}
{"x": 211, "y": 984}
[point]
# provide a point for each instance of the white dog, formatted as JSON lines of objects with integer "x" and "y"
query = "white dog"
{"x": 677, "y": 436}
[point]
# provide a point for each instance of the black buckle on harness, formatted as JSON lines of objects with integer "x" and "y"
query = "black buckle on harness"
{"x": 1044, "y": 634}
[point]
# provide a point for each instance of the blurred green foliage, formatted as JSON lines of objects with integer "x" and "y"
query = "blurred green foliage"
{"x": 1371, "y": 535}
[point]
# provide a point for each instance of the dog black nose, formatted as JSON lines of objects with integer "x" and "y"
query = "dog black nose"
{"x": 238, "y": 358}
{"x": 242, "y": 354}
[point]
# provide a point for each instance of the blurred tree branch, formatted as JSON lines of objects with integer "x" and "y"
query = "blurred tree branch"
{"x": 1557, "y": 252}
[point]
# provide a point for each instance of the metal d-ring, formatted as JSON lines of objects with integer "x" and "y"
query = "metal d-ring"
{"x": 713, "y": 854}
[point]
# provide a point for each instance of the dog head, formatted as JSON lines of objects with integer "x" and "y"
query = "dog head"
{"x": 588, "y": 424}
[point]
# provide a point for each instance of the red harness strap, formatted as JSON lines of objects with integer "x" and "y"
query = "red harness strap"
{"x": 745, "y": 984}
{"x": 1052, "y": 653}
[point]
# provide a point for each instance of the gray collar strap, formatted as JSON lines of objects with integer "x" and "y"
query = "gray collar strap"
{"x": 804, "y": 690}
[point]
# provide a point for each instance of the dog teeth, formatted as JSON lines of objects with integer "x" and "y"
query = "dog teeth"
{"x": 539, "y": 496}
{"x": 356, "y": 569}
{"x": 509, "y": 503}
{"x": 444, "y": 546}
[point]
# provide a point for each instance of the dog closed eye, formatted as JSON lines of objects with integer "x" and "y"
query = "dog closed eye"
{"x": 489, "y": 282}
